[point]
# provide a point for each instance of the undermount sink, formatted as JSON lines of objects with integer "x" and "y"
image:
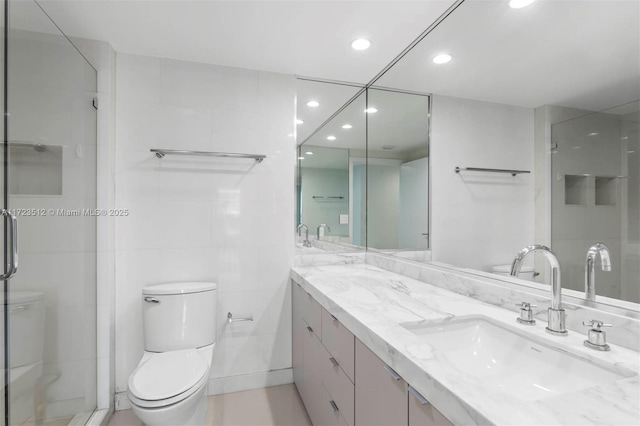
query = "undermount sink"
{"x": 511, "y": 362}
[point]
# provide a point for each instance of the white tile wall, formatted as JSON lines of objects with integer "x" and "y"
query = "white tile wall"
{"x": 224, "y": 220}
{"x": 480, "y": 219}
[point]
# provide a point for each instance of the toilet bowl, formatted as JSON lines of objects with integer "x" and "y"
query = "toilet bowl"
{"x": 26, "y": 348}
{"x": 168, "y": 387}
{"x": 526, "y": 273}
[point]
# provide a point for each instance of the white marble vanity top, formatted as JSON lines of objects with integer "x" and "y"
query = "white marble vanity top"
{"x": 373, "y": 303}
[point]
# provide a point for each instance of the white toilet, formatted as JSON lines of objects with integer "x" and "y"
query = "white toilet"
{"x": 26, "y": 345}
{"x": 526, "y": 273}
{"x": 169, "y": 386}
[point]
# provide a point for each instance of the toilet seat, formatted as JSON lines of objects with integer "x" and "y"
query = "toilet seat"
{"x": 167, "y": 378}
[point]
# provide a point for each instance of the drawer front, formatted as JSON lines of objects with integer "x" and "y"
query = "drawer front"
{"x": 338, "y": 385}
{"x": 339, "y": 342}
{"x": 381, "y": 394}
{"x": 331, "y": 414}
{"x": 422, "y": 413}
{"x": 311, "y": 312}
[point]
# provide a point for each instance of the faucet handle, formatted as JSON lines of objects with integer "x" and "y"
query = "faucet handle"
{"x": 526, "y": 314}
{"x": 596, "y": 324}
{"x": 596, "y": 337}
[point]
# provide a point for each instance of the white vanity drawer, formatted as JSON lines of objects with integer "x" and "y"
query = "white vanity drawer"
{"x": 338, "y": 385}
{"x": 340, "y": 343}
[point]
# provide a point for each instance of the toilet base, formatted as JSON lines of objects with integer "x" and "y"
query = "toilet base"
{"x": 189, "y": 412}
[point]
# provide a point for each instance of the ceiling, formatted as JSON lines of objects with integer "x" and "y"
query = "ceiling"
{"x": 309, "y": 38}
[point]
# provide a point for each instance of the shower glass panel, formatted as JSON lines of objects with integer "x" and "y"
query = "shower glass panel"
{"x": 595, "y": 198}
{"x": 49, "y": 184}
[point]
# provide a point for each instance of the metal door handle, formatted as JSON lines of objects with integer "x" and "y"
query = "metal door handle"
{"x": 417, "y": 395}
{"x": 12, "y": 266}
{"x": 392, "y": 372}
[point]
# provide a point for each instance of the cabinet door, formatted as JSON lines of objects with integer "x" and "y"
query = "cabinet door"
{"x": 381, "y": 395}
{"x": 297, "y": 332}
{"x": 422, "y": 413}
{"x": 311, "y": 391}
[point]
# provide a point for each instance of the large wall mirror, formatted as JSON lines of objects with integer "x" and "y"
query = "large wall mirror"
{"x": 549, "y": 91}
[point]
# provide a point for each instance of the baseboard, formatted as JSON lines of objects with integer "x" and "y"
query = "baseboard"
{"x": 250, "y": 381}
{"x": 222, "y": 385}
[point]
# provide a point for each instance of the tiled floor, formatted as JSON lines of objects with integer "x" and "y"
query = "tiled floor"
{"x": 276, "y": 405}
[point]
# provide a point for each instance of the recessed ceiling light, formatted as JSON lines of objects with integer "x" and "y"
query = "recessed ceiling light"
{"x": 331, "y": 138}
{"x": 361, "y": 44}
{"x": 313, "y": 104}
{"x": 347, "y": 126}
{"x": 300, "y": 158}
{"x": 309, "y": 152}
{"x": 298, "y": 121}
{"x": 593, "y": 134}
{"x": 371, "y": 110}
{"x": 519, "y": 4}
{"x": 630, "y": 152}
{"x": 441, "y": 58}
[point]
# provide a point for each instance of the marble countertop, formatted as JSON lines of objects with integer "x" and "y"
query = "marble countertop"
{"x": 373, "y": 303}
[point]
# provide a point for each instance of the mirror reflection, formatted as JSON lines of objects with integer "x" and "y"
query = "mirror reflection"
{"x": 398, "y": 170}
{"x": 332, "y": 180}
{"x": 543, "y": 89}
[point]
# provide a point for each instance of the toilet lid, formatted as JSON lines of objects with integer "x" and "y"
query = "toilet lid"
{"x": 165, "y": 375}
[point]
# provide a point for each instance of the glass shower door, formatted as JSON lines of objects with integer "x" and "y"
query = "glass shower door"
{"x": 49, "y": 184}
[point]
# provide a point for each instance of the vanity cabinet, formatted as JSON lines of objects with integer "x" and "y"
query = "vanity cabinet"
{"x": 318, "y": 369}
{"x": 381, "y": 394}
{"x": 342, "y": 382}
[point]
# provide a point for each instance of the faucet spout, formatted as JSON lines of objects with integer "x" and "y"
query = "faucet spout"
{"x": 590, "y": 270}
{"x": 325, "y": 226}
{"x": 556, "y": 313}
{"x": 299, "y": 229}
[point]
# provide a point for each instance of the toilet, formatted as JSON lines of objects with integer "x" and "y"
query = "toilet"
{"x": 168, "y": 387}
{"x": 26, "y": 349}
{"x": 526, "y": 273}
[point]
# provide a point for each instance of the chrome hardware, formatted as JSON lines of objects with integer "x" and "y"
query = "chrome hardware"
{"x": 590, "y": 270}
{"x": 334, "y": 406}
{"x": 160, "y": 153}
{"x": 526, "y": 314}
{"x": 333, "y": 318}
{"x": 597, "y": 338}
{"x": 418, "y": 396}
{"x": 12, "y": 266}
{"x": 392, "y": 372}
{"x": 309, "y": 329}
{"x": 306, "y": 241}
{"x": 151, "y": 299}
{"x": 482, "y": 169}
{"x": 334, "y": 362}
{"x": 231, "y": 319}
{"x": 326, "y": 227}
{"x": 555, "y": 313}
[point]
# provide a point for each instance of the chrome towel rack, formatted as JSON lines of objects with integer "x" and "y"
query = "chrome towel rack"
{"x": 322, "y": 197}
{"x": 160, "y": 153}
{"x": 231, "y": 319}
{"x": 480, "y": 169}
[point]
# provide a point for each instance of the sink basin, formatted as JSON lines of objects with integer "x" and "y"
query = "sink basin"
{"x": 511, "y": 362}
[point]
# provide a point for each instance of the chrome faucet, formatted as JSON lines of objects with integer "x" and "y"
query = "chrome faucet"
{"x": 326, "y": 227}
{"x": 556, "y": 313}
{"x": 306, "y": 241}
{"x": 589, "y": 283}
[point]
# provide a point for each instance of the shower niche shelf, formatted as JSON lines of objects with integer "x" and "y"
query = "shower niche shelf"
{"x": 606, "y": 190}
{"x": 575, "y": 190}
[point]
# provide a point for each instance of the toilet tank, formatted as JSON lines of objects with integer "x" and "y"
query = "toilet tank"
{"x": 26, "y": 327}
{"x": 179, "y": 315}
